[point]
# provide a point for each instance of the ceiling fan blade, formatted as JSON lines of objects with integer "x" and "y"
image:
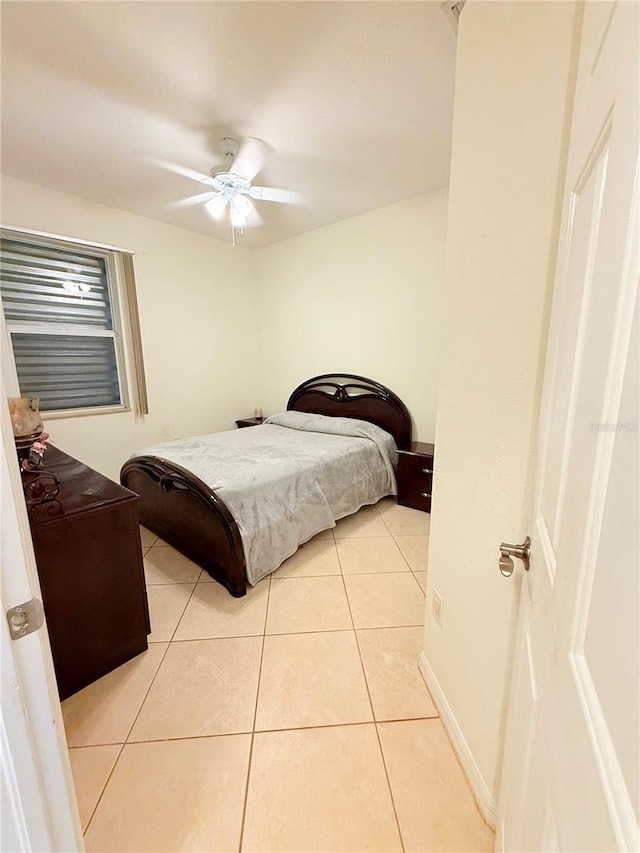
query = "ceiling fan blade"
{"x": 250, "y": 158}
{"x": 190, "y": 201}
{"x": 273, "y": 194}
{"x": 184, "y": 171}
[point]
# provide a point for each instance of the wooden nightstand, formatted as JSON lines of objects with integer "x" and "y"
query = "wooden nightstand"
{"x": 415, "y": 475}
{"x": 247, "y": 422}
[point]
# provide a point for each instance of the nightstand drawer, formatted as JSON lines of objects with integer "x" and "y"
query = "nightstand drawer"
{"x": 415, "y": 475}
{"x": 416, "y": 468}
{"x": 418, "y": 497}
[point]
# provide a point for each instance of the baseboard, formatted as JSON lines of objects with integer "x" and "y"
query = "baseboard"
{"x": 485, "y": 799}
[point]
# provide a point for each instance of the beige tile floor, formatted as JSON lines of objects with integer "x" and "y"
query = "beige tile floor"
{"x": 293, "y": 719}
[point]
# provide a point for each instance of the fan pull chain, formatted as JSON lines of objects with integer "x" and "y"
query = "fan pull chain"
{"x": 233, "y": 234}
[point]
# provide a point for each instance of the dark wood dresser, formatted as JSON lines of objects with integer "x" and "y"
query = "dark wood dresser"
{"x": 87, "y": 546}
{"x": 415, "y": 475}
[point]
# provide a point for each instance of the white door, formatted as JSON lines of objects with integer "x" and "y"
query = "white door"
{"x": 570, "y": 774}
{"x": 39, "y": 811}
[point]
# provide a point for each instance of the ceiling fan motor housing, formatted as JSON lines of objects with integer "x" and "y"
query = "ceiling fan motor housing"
{"x": 223, "y": 177}
{"x": 230, "y": 183}
{"x": 228, "y": 147}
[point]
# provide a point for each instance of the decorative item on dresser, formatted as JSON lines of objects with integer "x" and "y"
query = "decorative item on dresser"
{"x": 247, "y": 422}
{"x": 87, "y": 546}
{"x": 30, "y": 439}
{"x": 415, "y": 475}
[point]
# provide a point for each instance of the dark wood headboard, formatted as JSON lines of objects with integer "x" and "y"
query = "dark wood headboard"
{"x": 349, "y": 396}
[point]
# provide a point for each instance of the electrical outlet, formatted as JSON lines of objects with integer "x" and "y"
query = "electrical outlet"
{"x": 437, "y": 607}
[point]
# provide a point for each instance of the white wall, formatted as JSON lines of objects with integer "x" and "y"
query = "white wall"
{"x": 225, "y": 330}
{"x": 510, "y": 131}
{"x": 361, "y": 296}
{"x": 198, "y": 319}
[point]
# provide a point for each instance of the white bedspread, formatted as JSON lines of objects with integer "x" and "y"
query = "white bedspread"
{"x": 288, "y": 479}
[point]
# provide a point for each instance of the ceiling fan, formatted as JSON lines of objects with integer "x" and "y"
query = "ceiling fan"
{"x": 231, "y": 184}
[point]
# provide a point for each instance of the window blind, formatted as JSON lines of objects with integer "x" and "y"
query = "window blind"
{"x": 58, "y": 313}
{"x": 66, "y": 371}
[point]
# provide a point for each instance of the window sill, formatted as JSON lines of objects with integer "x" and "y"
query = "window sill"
{"x": 84, "y": 413}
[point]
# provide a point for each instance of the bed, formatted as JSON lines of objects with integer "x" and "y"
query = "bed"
{"x": 361, "y": 424}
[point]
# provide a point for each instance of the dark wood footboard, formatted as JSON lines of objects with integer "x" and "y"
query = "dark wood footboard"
{"x": 189, "y": 515}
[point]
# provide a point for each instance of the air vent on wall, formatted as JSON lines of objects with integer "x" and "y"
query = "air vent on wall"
{"x": 452, "y": 12}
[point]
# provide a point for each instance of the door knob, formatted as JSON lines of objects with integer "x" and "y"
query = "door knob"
{"x": 507, "y": 552}
{"x": 506, "y": 565}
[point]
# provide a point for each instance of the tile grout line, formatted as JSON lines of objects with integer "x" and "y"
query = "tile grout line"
{"x": 386, "y": 773}
{"x": 275, "y": 634}
{"x": 170, "y": 640}
{"x": 373, "y": 714}
{"x": 184, "y": 609}
{"x": 355, "y": 634}
{"x": 155, "y": 675}
{"x": 376, "y": 722}
{"x": 411, "y": 569}
{"x": 403, "y": 557}
{"x": 332, "y": 725}
{"x": 408, "y": 564}
{"x": 104, "y": 787}
{"x": 266, "y": 731}
{"x": 253, "y": 727}
{"x": 126, "y": 740}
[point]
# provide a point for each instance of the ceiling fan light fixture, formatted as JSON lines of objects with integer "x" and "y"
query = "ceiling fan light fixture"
{"x": 242, "y": 205}
{"x": 216, "y": 206}
{"x": 238, "y": 220}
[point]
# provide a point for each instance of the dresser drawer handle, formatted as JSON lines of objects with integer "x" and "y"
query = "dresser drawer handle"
{"x": 427, "y": 470}
{"x": 425, "y": 495}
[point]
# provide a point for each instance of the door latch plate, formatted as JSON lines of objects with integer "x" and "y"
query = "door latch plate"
{"x": 25, "y": 618}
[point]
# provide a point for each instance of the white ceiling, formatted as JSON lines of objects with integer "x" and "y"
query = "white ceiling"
{"x": 354, "y": 99}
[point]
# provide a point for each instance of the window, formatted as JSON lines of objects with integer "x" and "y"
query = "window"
{"x": 63, "y": 317}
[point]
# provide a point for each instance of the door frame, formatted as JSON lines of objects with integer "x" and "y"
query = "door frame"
{"x": 38, "y": 796}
